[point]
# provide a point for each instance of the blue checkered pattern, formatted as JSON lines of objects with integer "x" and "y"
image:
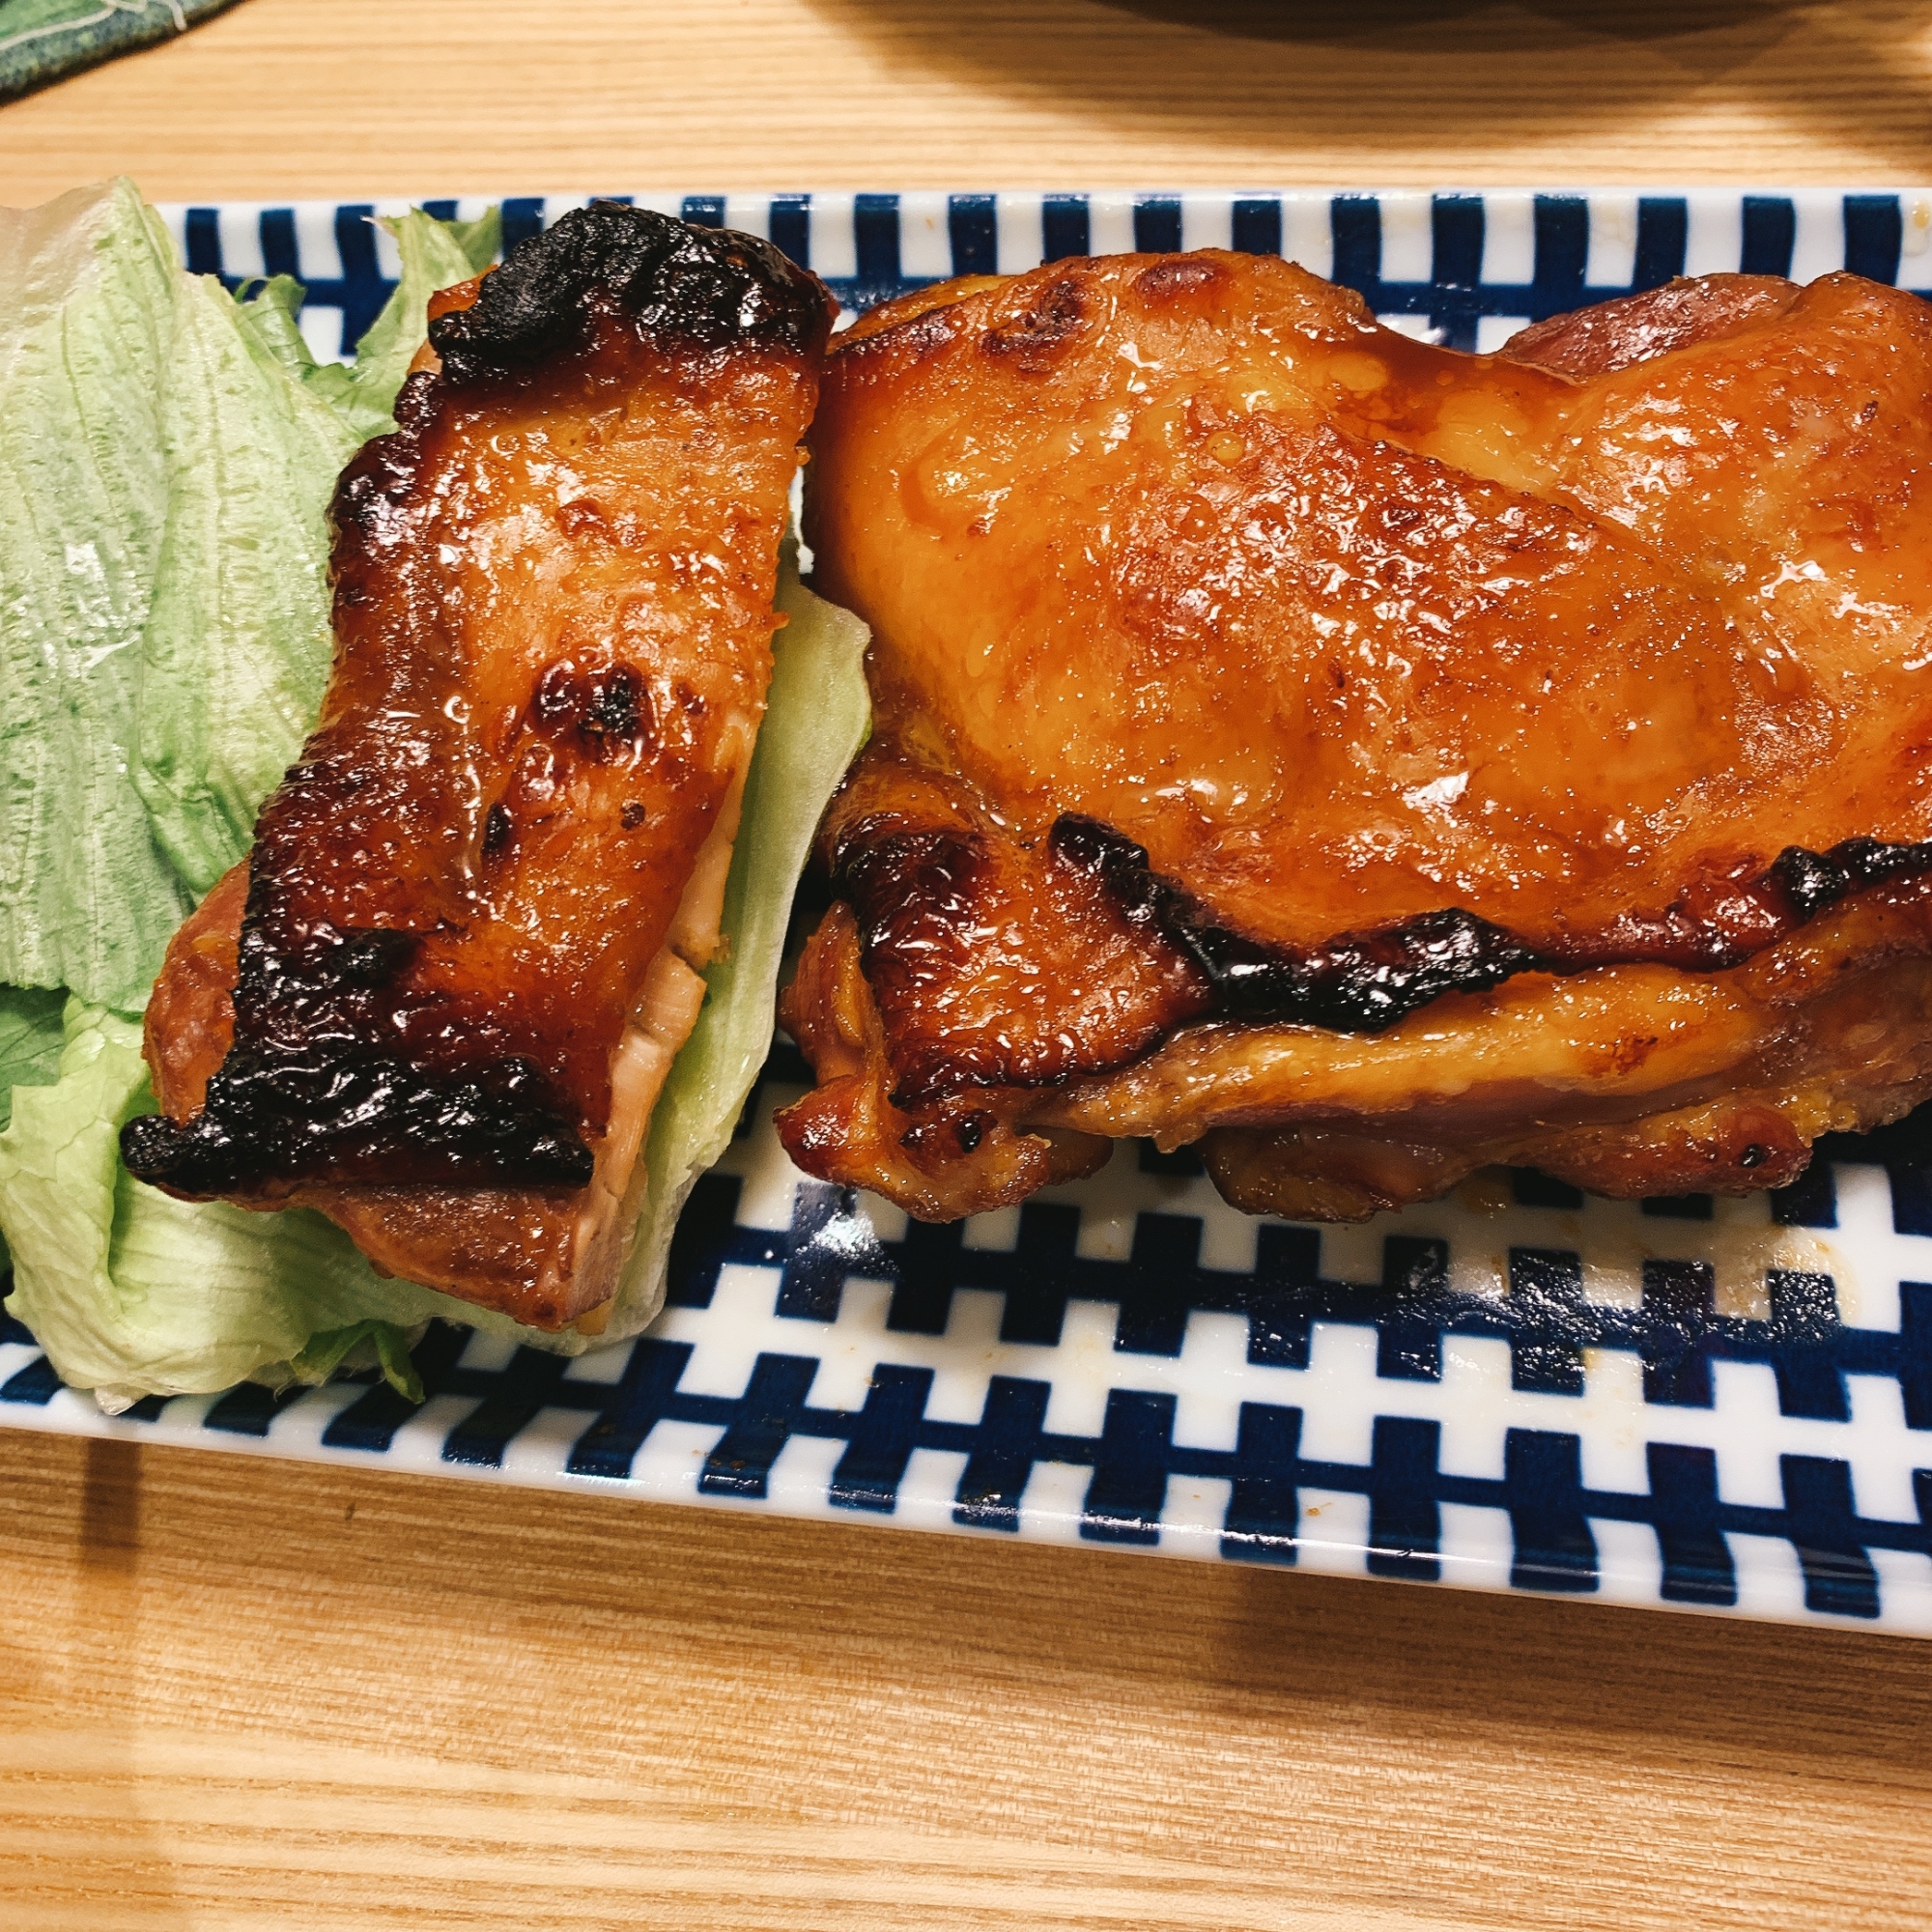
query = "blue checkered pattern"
{"x": 1682, "y": 1402}
{"x": 792, "y": 1275}
{"x": 1468, "y": 267}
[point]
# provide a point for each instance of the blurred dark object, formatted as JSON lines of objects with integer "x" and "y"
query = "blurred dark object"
{"x": 1906, "y": 1143}
{"x": 44, "y": 41}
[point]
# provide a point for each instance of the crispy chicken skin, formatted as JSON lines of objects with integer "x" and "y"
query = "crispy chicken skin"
{"x": 438, "y": 1000}
{"x": 1370, "y": 760}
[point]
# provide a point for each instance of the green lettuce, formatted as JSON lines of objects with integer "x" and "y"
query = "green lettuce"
{"x": 29, "y": 1045}
{"x": 435, "y": 255}
{"x": 816, "y": 718}
{"x": 132, "y": 1293}
{"x": 87, "y": 897}
{"x": 234, "y": 652}
{"x": 168, "y": 453}
{"x": 30, "y": 1041}
{"x": 362, "y": 1344}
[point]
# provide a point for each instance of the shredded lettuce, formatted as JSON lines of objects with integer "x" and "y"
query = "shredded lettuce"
{"x": 166, "y": 455}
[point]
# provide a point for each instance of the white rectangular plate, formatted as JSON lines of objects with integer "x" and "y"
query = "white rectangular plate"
{"x": 1726, "y": 1404}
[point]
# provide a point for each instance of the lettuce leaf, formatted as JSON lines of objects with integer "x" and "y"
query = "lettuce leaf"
{"x": 816, "y": 717}
{"x": 29, "y": 1045}
{"x": 435, "y": 255}
{"x": 272, "y": 308}
{"x": 132, "y": 1293}
{"x": 167, "y": 454}
{"x": 87, "y": 895}
{"x": 209, "y": 444}
{"x": 236, "y": 649}
{"x": 362, "y": 1344}
{"x": 30, "y": 1041}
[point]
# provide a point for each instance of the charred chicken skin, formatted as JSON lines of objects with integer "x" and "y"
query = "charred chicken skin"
{"x": 439, "y": 999}
{"x": 1372, "y": 761}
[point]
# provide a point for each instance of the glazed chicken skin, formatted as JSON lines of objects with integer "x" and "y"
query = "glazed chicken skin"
{"x": 1372, "y": 761}
{"x": 439, "y": 999}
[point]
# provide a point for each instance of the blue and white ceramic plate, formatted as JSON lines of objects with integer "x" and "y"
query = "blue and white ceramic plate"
{"x": 1724, "y": 1404}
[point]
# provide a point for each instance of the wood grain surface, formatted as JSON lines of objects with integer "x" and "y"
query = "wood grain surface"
{"x": 410, "y": 97}
{"x": 243, "y": 1694}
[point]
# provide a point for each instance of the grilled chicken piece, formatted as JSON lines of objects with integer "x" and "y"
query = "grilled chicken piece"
{"x": 1369, "y": 759}
{"x": 470, "y": 929}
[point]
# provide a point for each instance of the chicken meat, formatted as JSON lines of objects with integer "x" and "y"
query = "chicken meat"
{"x": 438, "y": 1000}
{"x": 1370, "y": 761}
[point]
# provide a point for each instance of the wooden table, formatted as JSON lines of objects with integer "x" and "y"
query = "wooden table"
{"x": 238, "y": 1693}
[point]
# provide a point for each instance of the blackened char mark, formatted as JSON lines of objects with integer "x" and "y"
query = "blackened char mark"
{"x": 1361, "y": 983}
{"x": 305, "y": 1094}
{"x": 1813, "y": 880}
{"x": 608, "y": 712}
{"x": 298, "y": 1111}
{"x": 1365, "y": 982}
{"x": 711, "y": 287}
{"x": 1809, "y": 880}
{"x": 1147, "y": 902}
